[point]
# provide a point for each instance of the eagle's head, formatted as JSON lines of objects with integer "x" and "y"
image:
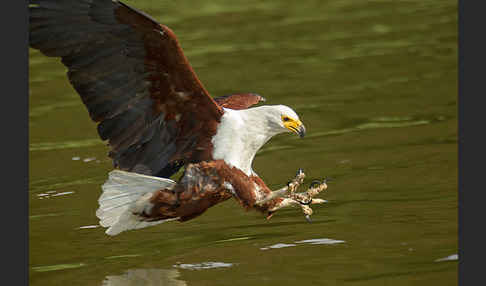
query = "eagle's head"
{"x": 281, "y": 118}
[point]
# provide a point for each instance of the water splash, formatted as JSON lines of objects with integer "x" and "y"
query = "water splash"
{"x": 45, "y": 215}
{"x": 203, "y": 265}
{"x": 88, "y": 226}
{"x": 50, "y": 194}
{"x": 314, "y": 241}
{"x": 452, "y": 257}
{"x": 278, "y": 245}
{"x": 48, "y": 188}
{"x": 321, "y": 241}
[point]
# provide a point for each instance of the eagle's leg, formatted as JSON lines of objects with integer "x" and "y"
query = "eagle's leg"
{"x": 303, "y": 199}
{"x": 283, "y": 192}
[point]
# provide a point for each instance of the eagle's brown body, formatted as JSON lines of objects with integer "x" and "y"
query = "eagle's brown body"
{"x": 204, "y": 185}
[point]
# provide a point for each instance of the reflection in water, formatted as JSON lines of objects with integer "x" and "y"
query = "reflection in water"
{"x": 145, "y": 277}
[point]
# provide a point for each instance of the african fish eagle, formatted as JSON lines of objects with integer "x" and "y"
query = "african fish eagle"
{"x": 157, "y": 117}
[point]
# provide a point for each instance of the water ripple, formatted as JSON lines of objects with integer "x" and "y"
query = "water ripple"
{"x": 48, "y": 146}
{"x": 57, "y": 267}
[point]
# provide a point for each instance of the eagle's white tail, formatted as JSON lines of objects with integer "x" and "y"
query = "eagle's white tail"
{"x": 125, "y": 193}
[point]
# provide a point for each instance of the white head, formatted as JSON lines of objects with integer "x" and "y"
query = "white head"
{"x": 242, "y": 133}
{"x": 280, "y": 119}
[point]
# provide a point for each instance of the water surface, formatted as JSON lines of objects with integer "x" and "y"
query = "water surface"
{"x": 375, "y": 82}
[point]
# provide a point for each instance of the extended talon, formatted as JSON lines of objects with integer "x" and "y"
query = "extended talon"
{"x": 307, "y": 212}
{"x": 289, "y": 196}
{"x": 304, "y": 203}
{"x": 327, "y": 179}
{"x": 318, "y": 201}
{"x": 307, "y": 217}
{"x": 270, "y": 214}
{"x": 299, "y": 171}
{"x": 285, "y": 192}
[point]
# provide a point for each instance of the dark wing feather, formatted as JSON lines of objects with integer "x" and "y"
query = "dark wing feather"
{"x": 239, "y": 101}
{"x": 134, "y": 80}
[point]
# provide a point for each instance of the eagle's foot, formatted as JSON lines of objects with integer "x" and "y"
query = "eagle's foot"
{"x": 306, "y": 198}
{"x": 285, "y": 192}
{"x": 303, "y": 199}
{"x": 293, "y": 185}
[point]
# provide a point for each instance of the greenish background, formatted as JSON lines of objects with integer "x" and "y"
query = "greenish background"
{"x": 375, "y": 82}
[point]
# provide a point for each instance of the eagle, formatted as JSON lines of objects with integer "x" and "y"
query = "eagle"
{"x": 158, "y": 119}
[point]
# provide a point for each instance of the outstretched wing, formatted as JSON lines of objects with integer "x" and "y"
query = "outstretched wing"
{"x": 134, "y": 80}
{"x": 239, "y": 100}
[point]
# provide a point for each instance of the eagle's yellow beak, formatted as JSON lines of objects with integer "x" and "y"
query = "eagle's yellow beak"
{"x": 294, "y": 125}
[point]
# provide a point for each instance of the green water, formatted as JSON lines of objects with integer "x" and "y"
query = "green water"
{"x": 375, "y": 83}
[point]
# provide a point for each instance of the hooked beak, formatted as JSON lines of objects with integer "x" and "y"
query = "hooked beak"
{"x": 301, "y": 131}
{"x": 295, "y": 126}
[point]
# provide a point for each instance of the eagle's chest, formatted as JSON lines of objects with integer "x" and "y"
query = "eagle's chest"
{"x": 235, "y": 142}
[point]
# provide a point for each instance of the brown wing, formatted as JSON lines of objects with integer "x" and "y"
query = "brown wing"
{"x": 239, "y": 101}
{"x": 134, "y": 80}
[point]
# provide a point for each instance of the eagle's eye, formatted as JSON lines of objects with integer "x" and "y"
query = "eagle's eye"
{"x": 286, "y": 118}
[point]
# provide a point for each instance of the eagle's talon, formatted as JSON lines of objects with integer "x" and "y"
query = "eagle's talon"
{"x": 304, "y": 203}
{"x": 316, "y": 183}
{"x": 299, "y": 172}
{"x": 327, "y": 179}
{"x": 270, "y": 214}
{"x": 304, "y": 199}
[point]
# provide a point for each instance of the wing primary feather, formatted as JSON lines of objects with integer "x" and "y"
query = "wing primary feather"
{"x": 134, "y": 79}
